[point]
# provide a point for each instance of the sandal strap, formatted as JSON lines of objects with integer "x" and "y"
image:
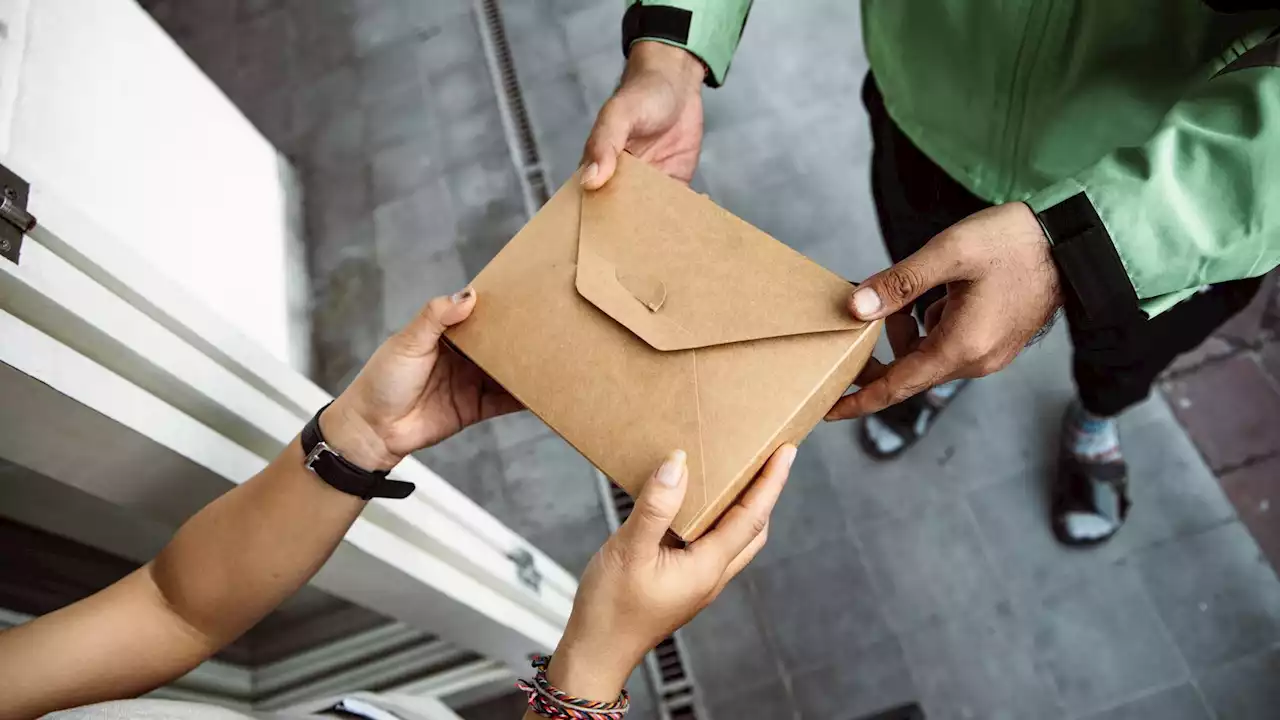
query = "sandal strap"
{"x": 1079, "y": 482}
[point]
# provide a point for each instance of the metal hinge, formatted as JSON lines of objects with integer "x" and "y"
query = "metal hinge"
{"x": 526, "y": 569}
{"x": 15, "y": 221}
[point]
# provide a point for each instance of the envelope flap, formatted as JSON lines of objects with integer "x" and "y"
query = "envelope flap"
{"x": 681, "y": 272}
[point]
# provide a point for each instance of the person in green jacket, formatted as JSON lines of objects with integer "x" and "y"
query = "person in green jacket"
{"x": 1119, "y": 160}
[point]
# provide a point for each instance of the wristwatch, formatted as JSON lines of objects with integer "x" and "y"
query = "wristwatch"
{"x": 329, "y": 465}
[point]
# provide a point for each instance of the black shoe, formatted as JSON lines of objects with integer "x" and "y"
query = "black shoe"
{"x": 1089, "y": 500}
{"x": 888, "y": 433}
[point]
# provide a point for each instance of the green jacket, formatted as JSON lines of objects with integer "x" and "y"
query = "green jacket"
{"x": 1145, "y": 134}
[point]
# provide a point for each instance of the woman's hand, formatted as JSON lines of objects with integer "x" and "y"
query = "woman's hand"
{"x": 413, "y": 392}
{"x": 637, "y": 589}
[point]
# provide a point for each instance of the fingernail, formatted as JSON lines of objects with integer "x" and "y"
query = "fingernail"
{"x": 671, "y": 470}
{"x": 461, "y": 296}
{"x": 590, "y": 173}
{"x": 866, "y": 302}
{"x": 788, "y": 456}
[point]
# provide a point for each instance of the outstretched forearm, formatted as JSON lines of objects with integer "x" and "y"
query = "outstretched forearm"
{"x": 239, "y": 557}
{"x": 224, "y": 570}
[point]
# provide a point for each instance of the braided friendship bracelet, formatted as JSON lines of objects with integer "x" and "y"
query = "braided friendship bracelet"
{"x": 550, "y": 702}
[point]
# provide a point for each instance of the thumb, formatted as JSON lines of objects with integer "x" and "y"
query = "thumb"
{"x": 888, "y": 291}
{"x": 608, "y": 139}
{"x": 423, "y": 332}
{"x": 656, "y": 507}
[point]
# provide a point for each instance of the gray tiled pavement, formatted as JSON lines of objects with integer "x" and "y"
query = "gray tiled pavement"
{"x": 933, "y": 578}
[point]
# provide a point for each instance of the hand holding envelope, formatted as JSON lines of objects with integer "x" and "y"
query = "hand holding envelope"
{"x": 642, "y": 317}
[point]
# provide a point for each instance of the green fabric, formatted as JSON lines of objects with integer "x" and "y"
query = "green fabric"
{"x": 1038, "y": 100}
{"x": 1199, "y": 201}
{"x": 713, "y": 32}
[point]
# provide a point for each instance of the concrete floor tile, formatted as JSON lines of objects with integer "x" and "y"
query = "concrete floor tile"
{"x": 381, "y": 23}
{"x": 486, "y": 187}
{"x": 593, "y": 27}
{"x": 1247, "y": 689}
{"x": 1216, "y": 594}
{"x": 725, "y": 649}
{"x": 562, "y": 150}
{"x": 1231, "y": 409}
{"x": 817, "y": 605}
{"x": 552, "y": 101}
{"x": 980, "y": 666}
{"x": 330, "y": 244}
{"x": 869, "y": 490}
{"x": 1247, "y": 326}
{"x": 1177, "y": 703}
{"x": 513, "y": 429}
{"x": 548, "y": 485}
{"x": 598, "y": 75}
{"x": 457, "y": 43}
{"x": 410, "y": 282}
{"x": 573, "y": 543}
{"x": 351, "y": 297}
{"x": 479, "y": 477}
{"x": 461, "y": 90}
{"x": 402, "y": 116}
{"x": 263, "y": 59}
{"x": 1270, "y": 358}
{"x": 326, "y": 96}
{"x": 1255, "y": 492}
{"x": 1173, "y": 495}
{"x": 846, "y": 259}
{"x": 928, "y": 565}
{"x": 338, "y": 141}
{"x": 463, "y": 139}
{"x": 186, "y": 21}
{"x": 415, "y": 225}
{"x": 335, "y": 198}
{"x": 462, "y": 447}
{"x": 390, "y": 69}
{"x": 766, "y": 702}
{"x": 322, "y": 37}
{"x": 860, "y": 683}
{"x": 808, "y": 514}
{"x": 399, "y": 170}
{"x": 483, "y": 236}
{"x": 1102, "y": 642}
{"x": 537, "y": 36}
{"x": 983, "y": 436}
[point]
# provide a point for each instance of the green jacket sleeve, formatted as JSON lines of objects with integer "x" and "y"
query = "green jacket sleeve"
{"x": 1198, "y": 203}
{"x": 709, "y": 29}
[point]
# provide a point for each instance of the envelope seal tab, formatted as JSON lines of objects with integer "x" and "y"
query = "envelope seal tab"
{"x": 651, "y": 292}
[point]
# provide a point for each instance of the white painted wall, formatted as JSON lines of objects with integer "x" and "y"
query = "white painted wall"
{"x": 100, "y": 106}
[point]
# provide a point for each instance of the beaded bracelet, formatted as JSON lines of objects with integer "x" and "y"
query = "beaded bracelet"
{"x": 549, "y": 702}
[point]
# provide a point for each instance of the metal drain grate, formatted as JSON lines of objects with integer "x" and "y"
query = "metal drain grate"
{"x": 672, "y": 682}
{"x": 515, "y": 116}
{"x": 664, "y": 667}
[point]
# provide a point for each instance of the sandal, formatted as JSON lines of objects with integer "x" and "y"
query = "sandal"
{"x": 888, "y": 433}
{"x": 1089, "y": 501}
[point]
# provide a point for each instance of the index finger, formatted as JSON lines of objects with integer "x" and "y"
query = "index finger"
{"x": 749, "y": 515}
{"x": 911, "y": 374}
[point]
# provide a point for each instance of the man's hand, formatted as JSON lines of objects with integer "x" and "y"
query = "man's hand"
{"x": 655, "y": 114}
{"x": 413, "y": 392}
{"x": 1002, "y": 288}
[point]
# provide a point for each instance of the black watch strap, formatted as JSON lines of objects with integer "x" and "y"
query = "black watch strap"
{"x": 329, "y": 465}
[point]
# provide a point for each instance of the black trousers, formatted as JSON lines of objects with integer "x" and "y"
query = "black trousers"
{"x": 1115, "y": 366}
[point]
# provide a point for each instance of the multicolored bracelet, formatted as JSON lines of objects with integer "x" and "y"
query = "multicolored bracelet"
{"x": 549, "y": 702}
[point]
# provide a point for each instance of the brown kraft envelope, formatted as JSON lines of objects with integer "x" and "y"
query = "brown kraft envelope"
{"x": 642, "y": 318}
